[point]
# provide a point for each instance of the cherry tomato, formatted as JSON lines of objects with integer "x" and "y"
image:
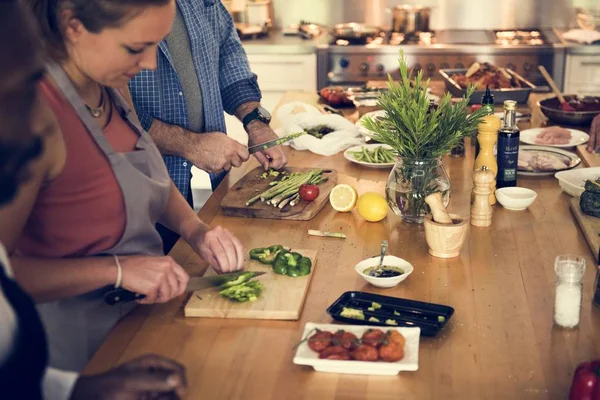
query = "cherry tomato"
{"x": 309, "y": 192}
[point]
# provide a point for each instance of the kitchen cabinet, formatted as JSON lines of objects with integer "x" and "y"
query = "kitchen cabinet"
{"x": 582, "y": 74}
{"x": 277, "y": 74}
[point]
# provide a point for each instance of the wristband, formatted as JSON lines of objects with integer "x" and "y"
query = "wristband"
{"x": 119, "y": 272}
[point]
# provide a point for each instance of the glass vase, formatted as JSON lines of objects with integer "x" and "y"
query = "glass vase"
{"x": 410, "y": 182}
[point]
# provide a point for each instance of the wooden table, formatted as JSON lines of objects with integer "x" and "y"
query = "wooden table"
{"x": 500, "y": 343}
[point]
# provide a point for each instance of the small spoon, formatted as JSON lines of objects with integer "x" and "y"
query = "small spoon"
{"x": 384, "y": 246}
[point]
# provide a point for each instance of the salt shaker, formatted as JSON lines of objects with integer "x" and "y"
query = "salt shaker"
{"x": 481, "y": 210}
{"x": 569, "y": 290}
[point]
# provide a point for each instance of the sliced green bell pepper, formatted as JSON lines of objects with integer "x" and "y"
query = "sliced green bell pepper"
{"x": 302, "y": 268}
{"x": 266, "y": 255}
{"x": 291, "y": 264}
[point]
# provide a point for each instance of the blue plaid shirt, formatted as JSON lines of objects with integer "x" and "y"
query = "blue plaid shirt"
{"x": 225, "y": 80}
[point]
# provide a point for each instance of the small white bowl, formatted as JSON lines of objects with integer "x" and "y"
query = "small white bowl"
{"x": 515, "y": 198}
{"x": 391, "y": 261}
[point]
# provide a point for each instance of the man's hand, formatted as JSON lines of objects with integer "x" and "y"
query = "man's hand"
{"x": 148, "y": 377}
{"x": 215, "y": 152}
{"x": 273, "y": 157}
{"x": 594, "y": 142}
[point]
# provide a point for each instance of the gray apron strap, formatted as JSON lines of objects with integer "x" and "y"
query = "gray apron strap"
{"x": 69, "y": 91}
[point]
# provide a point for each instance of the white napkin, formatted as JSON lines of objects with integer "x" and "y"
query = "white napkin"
{"x": 586, "y": 36}
{"x": 344, "y": 136}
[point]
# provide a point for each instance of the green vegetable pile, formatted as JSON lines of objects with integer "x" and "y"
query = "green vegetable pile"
{"x": 242, "y": 289}
{"x": 319, "y": 131}
{"x": 590, "y": 198}
{"x": 247, "y": 291}
{"x": 284, "y": 262}
{"x": 285, "y": 191}
{"x": 379, "y": 155}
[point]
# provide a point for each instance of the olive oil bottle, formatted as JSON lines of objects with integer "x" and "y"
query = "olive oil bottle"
{"x": 508, "y": 147}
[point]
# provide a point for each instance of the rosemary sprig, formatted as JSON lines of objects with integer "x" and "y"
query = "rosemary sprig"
{"x": 411, "y": 127}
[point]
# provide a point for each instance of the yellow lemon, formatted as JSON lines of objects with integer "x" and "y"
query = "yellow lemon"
{"x": 343, "y": 198}
{"x": 372, "y": 206}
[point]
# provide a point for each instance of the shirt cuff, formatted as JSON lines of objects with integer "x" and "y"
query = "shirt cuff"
{"x": 58, "y": 384}
{"x": 145, "y": 120}
{"x": 240, "y": 92}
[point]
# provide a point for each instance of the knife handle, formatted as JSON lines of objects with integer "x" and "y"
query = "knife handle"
{"x": 121, "y": 296}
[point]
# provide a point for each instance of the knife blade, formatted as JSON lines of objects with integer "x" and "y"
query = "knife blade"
{"x": 275, "y": 142}
{"x": 198, "y": 283}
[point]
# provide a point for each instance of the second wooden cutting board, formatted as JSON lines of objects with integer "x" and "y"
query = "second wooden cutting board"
{"x": 251, "y": 184}
{"x": 590, "y": 226}
{"x": 282, "y": 297}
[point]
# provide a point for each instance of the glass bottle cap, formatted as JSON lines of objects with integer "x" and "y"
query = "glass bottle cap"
{"x": 510, "y": 105}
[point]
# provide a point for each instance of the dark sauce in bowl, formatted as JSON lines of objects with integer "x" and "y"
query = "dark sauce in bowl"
{"x": 385, "y": 272}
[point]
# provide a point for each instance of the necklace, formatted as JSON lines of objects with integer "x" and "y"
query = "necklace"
{"x": 97, "y": 112}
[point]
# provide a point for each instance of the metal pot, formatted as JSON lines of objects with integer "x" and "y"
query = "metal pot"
{"x": 410, "y": 19}
{"x": 354, "y": 31}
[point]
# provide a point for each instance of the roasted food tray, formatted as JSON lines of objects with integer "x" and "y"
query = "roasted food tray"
{"x": 412, "y": 313}
{"x": 520, "y": 95}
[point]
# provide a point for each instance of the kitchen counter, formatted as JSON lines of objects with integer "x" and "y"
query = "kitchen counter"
{"x": 500, "y": 343}
{"x": 277, "y": 43}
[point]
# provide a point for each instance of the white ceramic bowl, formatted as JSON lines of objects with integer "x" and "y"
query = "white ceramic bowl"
{"x": 515, "y": 198}
{"x": 391, "y": 261}
{"x": 572, "y": 181}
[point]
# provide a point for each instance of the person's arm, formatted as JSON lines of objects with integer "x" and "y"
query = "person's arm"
{"x": 216, "y": 245}
{"x": 237, "y": 83}
{"x": 211, "y": 152}
{"x": 240, "y": 91}
{"x": 594, "y": 141}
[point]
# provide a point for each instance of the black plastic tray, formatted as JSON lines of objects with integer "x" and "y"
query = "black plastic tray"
{"x": 412, "y": 313}
{"x": 520, "y": 95}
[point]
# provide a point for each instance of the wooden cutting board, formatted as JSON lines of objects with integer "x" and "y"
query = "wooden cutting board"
{"x": 234, "y": 202}
{"x": 590, "y": 226}
{"x": 589, "y": 159}
{"x": 282, "y": 297}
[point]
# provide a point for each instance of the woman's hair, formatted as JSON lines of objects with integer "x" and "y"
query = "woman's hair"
{"x": 95, "y": 15}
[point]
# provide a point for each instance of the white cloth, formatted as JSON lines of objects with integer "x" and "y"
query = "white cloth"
{"x": 585, "y": 36}
{"x": 344, "y": 135}
{"x": 57, "y": 384}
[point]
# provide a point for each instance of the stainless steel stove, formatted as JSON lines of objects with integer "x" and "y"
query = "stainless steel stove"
{"x": 349, "y": 64}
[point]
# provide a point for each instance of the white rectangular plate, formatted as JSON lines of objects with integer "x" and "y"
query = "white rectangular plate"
{"x": 410, "y": 362}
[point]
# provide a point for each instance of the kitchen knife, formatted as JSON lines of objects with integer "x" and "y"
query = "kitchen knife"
{"x": 198, "y": 283}
{"x": 274, "y": 142}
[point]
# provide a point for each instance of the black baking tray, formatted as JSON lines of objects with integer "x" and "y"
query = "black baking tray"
{"x": 412, "y": 313}
{"x": 520, "y": 95}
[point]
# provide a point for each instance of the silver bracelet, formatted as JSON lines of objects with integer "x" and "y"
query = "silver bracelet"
{"x": 119, "y": 272}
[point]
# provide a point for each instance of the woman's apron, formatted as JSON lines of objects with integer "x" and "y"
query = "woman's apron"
{"x": 76, "y": 327}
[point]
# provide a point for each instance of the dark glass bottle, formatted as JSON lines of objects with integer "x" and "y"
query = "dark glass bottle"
{"x": 508, "y": 147}
{"x": 487, "y": 103}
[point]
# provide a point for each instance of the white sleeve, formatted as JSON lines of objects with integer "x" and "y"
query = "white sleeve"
{"x": 58, "y": 384}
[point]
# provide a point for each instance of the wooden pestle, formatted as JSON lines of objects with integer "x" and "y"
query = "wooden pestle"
{"x": 438, "y": 211}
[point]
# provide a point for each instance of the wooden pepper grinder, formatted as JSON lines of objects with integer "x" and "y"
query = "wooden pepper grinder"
{"x": 481, "y": 210}
{"x": 487, "y": 137}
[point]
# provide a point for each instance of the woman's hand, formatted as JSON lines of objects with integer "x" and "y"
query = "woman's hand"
{"x": 147, "y": 377}
{"x": 223, "y": 251}
{"x": 160, "y": 279}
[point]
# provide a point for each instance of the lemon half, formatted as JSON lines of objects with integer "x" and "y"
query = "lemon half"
{"x": 343, "y": 198}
